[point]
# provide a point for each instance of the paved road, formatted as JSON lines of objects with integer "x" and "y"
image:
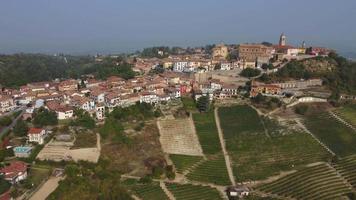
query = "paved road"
{"x": 4, "y": 130}
{"x": 223, "y": 147}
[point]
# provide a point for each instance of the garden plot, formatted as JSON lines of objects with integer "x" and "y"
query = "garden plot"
{"x": 58, "y": 151}
{"x": 177, "y": 136}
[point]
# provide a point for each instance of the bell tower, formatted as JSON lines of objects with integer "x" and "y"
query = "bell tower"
{"x": 282, "y": 40}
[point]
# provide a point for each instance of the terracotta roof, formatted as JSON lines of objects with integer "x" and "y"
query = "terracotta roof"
{"x": 13, "y": 169}
{"x": 35, "y": 130}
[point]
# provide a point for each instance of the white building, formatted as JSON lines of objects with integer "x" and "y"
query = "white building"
{"x": 37, "y": 135}
{"x": 180, "y": 66}
{"x": 6, "y": 104}
{"x": 64, "y": 113}
{"x": 225, "y": 66}
{"x": 148, "y": 97}
{"x": 100, "y": 112}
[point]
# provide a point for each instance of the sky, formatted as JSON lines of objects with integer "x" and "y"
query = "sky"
{"x": 116, "y": 26}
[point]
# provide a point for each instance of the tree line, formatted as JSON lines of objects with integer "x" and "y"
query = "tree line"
{"x": 20, "y": 69}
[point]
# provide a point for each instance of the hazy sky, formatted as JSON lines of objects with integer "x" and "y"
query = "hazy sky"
{"x": 89, "y": 26}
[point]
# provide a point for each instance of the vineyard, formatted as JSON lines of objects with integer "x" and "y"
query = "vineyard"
{"x": 316, "y": 182}
{"x": 338, "y": 137}
{"x": 149, "y": 191}
{"x": 212, "y": 170}
{"x": 183, "y": 162}
{"x": 346, "y": 167}
{"x": 261, "y": 147}
{"x": 193, "y": 192}
{"x": 207, "y": 132}
{"x": 348, "y": 113}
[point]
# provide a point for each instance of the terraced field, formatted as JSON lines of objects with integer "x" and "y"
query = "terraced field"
{"x": 261, "y": 147}
{"x": 347, "y": 168}
{"x": 317, "y": 182}
{"x": 151, "y": 191}
{"x": 207, "y": 132}
{"x": 348, "y": 113}
{"x": 212, "y": 170}
{"x": 193, "y": 192}
{"x": 183, "y": 162}
{"x": 340, "y": 138}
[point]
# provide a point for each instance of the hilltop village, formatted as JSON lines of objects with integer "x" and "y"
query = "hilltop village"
{"x": 215, "y": 122}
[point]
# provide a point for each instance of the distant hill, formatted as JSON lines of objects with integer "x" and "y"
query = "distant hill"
{"x": 349, "y": 55}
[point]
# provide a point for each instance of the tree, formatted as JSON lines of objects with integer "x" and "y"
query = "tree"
{"x": 20, "y": 128}
{"x": 4, "y": 185}
{"x": 83, "y": 119}
{"x": 5, "y": 121}
{"x": 203, "y": 103}
{"x": 250, "y": 72}
{"x": 43, "y": 117}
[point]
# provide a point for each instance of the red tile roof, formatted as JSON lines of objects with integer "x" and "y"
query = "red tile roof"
{"x": 13, "y": 169}
{"x": 35, "y": 130}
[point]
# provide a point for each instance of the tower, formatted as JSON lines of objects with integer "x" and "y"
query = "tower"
{"x": 282, "y": 40}
{"x": 303, "y": 45}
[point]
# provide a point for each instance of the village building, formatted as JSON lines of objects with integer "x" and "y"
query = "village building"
{"x": 68, "y": 85}
{"x": 6, "y": 103}
{"x": 15, "y": 172}
{"x": 180, "y": 66}
{"x": 220, "y": 51}
{"x": 36, "y": 135}
{"x": 250, "y": 52}
{"x": 264, "y": 89}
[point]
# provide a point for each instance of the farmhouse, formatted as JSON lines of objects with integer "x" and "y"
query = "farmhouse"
{"x": 36, "y": 135}
{"x": 264, "y": 89}
{"x": 15, "y": 172}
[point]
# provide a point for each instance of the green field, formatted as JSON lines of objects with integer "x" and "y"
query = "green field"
{"x": 348, "y": 113}
{"x": 317, "y": 182}
{"x": 149, "y": 191}
{"x": 184, "y": 162}
{"x": 207, "y": 132}
{"x": 212, "y": 170}
{"x": 337, "y": 136}
{"x": 193, "y": 192}
{"x": 189, "y": 104}
{"x": 260, "y": 147}
{"x": 38, "y": 174}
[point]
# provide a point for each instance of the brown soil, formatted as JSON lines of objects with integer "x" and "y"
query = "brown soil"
{"x": 129, "y": 158}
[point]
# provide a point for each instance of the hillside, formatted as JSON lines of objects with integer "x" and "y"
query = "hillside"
{"x": 337, "y": 72}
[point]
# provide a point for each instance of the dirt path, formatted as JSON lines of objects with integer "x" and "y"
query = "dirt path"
{"x": 46, "y": 189}
{"x": 165, "y": 190}
{"x": 223, "y": 147}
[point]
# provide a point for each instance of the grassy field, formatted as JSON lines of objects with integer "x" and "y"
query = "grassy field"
{"x": 212, "y": 170}
{"x": 184, "y": 162}
{"x": 337, "y": 136}
{"x": 207, "y": 132}
{"x": 317, "y": 182}
{"x": 193, "y": 192}
{"x": 189, "y": 104}
{"x": 85, "y": 140}
{"x": 348, "y": 113}
{"x": 38, "y": 173}
{"x": 149, "y": 191}
{"x": 261, "y": 147}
